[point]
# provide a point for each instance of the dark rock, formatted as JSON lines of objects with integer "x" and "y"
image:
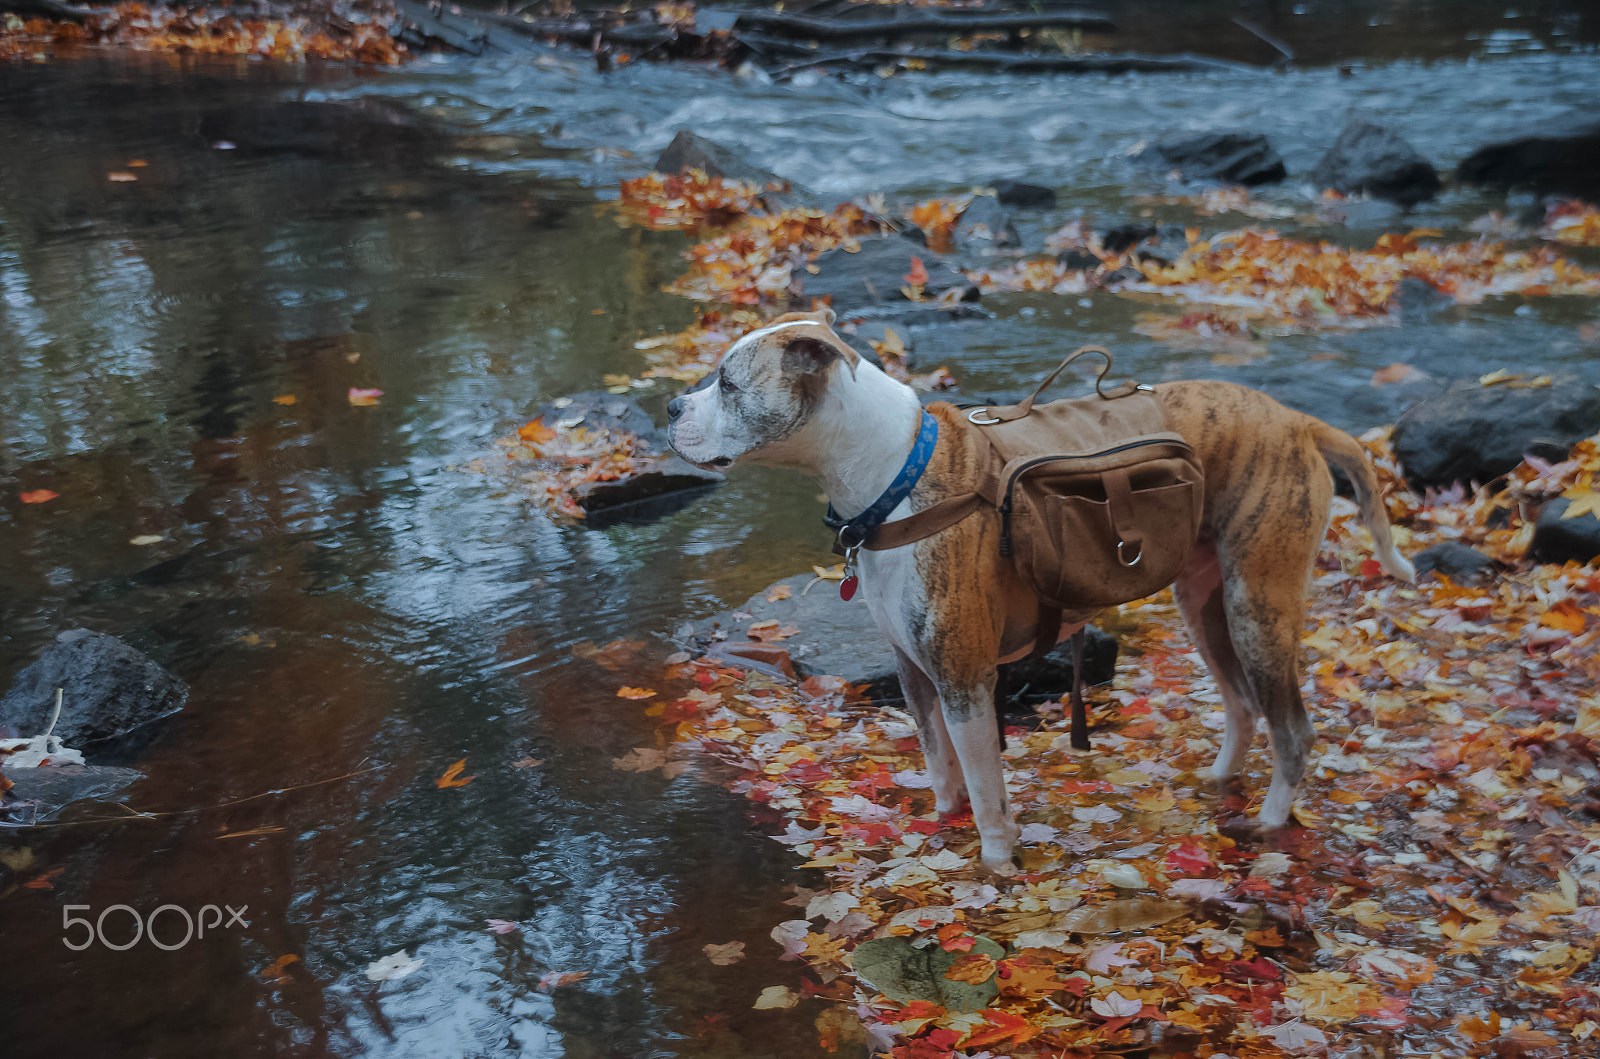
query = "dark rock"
{"x": 1022, "y": 196}
{"x": 1560, "y": 540}
{"x": 1455, "y": 560}
{"x": 689, "y": 150}
{"x": 985, "y": 225}
{"x": 662, "y": 485}
{"x": 1125, "y": 274}
{"x": 1561, "y": 156}
{"x": 1126, "y": 236}
{"x": 1079, "y": 258}
{"x": 109, "y": 690}
{"x": 1168, "y": 245}
{"x": 1234, "y": 157}
{"x": 1473, "y": 433}
{"x": 861, "y": 336}
{"x": 1371, "y": 160}
{"x": 875, "y": 274}
{"x": 1415, "y": 300}
{"x": 599, "y": 410}
{"x": 39, "y": 794}
{"x": 839, "y": 638}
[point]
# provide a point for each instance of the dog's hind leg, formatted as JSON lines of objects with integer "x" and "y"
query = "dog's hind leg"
{"x": 967, "y": 710}
{"x": 944, "y": 768}
{"x": 1199, "y": 598}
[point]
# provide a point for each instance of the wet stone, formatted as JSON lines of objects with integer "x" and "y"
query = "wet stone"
{"x": 839, "y": 638}
{"x": 1560, "y": 156}
{"x": 1371, "y": 160}
{"x": 1018, "y": 195}
{"x": 1473, "y": 433}
{"x": 1234, "y": 157}
{"x": 874, "y": 275}
{"x": 690, "y": 150}
{"x": 984, "y": 226}
{"x": 109, "y": 691}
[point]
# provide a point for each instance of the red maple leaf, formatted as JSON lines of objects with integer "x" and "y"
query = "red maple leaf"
{"x": 1189, "y": 858}
{"x": 1002, "y": 1025}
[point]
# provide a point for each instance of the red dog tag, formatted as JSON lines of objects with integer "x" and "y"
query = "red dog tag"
{"x": 847, "y": 587}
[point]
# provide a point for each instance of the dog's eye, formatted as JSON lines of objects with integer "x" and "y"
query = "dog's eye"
{"x": 727, "y": 384}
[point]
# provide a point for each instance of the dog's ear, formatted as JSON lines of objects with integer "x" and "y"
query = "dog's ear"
{"x": 824, "y": 315}
{"x": 813, "y": 355}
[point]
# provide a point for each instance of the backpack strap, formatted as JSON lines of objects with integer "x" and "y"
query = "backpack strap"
{"x": 989, "y": 417}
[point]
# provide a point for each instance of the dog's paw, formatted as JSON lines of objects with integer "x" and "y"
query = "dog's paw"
{"x": 1004, "y": 867}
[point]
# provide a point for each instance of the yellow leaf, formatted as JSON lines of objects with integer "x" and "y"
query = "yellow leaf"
{"x": 626, "y": 692}
{"x": 1582, "y": 499}
{"x": 1502, "y": 375}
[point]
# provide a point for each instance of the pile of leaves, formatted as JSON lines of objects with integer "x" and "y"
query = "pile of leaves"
{"x": 1572, "y": 222}
{"x": 1312, "y": 285}
{"x": 1441, "y": 896}
{"x": 349, "y": 30}
{"x": 693, "y": 353}
{"x": 763, "y": 258}
{"x": 550, "y": 463}
{"x": 688, "y": 201}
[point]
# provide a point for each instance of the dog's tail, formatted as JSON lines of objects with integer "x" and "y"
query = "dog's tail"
{"x": 1341, "y": 450}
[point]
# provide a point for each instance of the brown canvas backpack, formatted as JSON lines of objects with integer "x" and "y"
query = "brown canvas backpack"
{"x": 1099, "y": 503}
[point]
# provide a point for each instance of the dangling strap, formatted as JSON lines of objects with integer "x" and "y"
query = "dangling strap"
{"x": 1080, "y": 712}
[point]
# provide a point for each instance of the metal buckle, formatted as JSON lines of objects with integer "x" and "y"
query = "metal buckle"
{"x": 1146, "y": 389}
{"x": 1121, "y": 559}
{"x": 850, "y": 548}
{"x": 972, "y": 417}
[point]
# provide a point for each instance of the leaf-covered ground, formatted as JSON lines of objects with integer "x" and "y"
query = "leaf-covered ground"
{"x": 1440, "y": 895}
{"x": 352, "y": 30}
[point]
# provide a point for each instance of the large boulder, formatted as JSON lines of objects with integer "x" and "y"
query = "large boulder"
{"x": 109, "y": 690}
{"x": 689, "y": 150}
{"x": 839, "y": 638}
{"x": 1473, "y": 433}
{"x": 1233, "y": 157}
{"x": 873, "y": 275}
{"x": 1371, "y": 160}
{"x": 1557, "y": 539}
{"x": 1560, "y": 156}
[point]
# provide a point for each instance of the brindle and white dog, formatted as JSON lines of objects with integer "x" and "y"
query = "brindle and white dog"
{"x": 795, "y": 394}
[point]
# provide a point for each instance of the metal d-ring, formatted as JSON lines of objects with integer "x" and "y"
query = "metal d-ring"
{"x": 1123, "y": 544}
{"x": 972, "y": 417}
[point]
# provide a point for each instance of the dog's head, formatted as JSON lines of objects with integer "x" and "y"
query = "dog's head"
{"x": 766, "y": 391}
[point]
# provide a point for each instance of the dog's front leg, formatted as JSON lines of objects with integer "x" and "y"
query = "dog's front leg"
{"x": 944, "y": 768}
{"x": 969, "y": 717}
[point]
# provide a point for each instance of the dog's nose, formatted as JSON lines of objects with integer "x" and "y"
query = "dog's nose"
{"x": 675, "y": 408}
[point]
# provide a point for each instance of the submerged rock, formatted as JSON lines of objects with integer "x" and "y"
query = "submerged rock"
{"x": 1472, "y": 433}
{"x": 1235, "y": 157}
{"x": 985, "y": 225}
{"x": 39, "y": 794}
{"x": 1560, "y": 156}
{"x": 874, "y": 275}
{"x": 839, "y": 638}
{"x": 1371, "y": 160}
{"x": 109, "y": 691}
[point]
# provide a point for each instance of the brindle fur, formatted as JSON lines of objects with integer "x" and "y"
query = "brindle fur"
{"x": 1242, "y": 595}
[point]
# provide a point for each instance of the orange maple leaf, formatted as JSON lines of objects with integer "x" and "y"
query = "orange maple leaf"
{"x": 1002, "y": 1025}
{"x": 626, "y": 692}
{"x": 1565, "y": 616}
{"x": 918, "y": 274}
{"x": 452, "y": 776}
{"x": 287, "y": 398}
{"x": 363, "y": 398}
{"x": 38, "y": 496}
{"x": 273, "y": 972}
{"x": 535, "y": 432}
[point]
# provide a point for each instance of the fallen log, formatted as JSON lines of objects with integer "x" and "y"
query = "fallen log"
{"x": 1020, "y": 62}
{"x": 813, "y": 28}
{"x": 55, "y": 9}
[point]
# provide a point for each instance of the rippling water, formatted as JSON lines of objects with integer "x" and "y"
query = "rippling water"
{"x": 341, "y": 597}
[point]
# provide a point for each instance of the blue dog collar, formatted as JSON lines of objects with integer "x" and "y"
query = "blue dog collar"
{"x": 855, "y": 532}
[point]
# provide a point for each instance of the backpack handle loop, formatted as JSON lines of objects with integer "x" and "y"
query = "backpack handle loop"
{"x": 992, "y": 416}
